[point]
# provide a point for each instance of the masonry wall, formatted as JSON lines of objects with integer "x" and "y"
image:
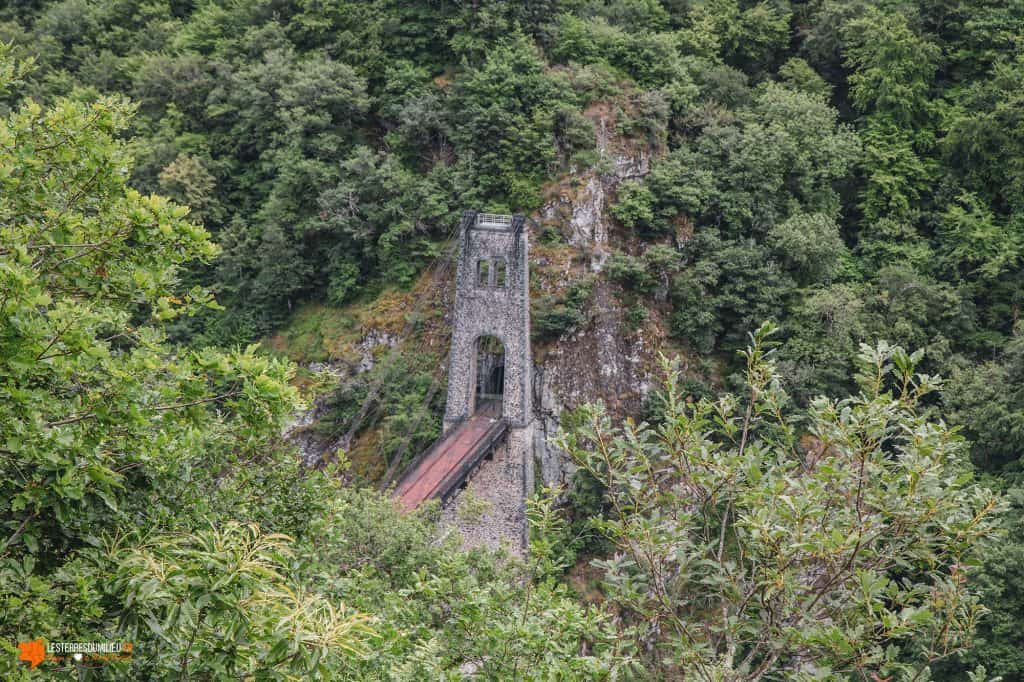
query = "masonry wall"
{"x": 491, "y": 510}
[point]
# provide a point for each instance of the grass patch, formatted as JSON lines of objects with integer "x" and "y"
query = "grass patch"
{"x": 318, "y": 332}
{"x": 315, "y": 333}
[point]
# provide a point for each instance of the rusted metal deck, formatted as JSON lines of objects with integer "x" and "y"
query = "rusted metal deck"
{"x": 441, "y": 469}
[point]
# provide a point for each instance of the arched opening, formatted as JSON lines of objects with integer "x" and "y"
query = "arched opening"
{"x": 490, "y": 376}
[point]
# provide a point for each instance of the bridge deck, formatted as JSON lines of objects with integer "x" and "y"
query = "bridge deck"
{"x": 448, "y": 462}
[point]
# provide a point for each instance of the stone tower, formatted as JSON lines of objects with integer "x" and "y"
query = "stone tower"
{"x": 492, "y": 311}
{"x": 492, "y": 299}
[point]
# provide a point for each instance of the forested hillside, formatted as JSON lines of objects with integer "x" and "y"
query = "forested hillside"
{"x": 180, "y": 179}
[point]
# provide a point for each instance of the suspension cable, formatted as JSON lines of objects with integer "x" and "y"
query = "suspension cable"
{"x": 439, "y": 267}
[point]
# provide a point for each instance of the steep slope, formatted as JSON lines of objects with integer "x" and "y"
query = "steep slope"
{"x": 587, "y": 347}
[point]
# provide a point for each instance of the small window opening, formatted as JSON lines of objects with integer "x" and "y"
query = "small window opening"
{"x": 483, "y": 272}
{"x": 499, "y": 273}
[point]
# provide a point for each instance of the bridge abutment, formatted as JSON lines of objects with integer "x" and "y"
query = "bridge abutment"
{"x": 490, "y": 511}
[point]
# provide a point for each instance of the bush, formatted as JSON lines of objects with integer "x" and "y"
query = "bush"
{"x": 553, "y": 316}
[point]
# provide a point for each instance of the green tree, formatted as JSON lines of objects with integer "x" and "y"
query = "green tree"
{"x": 976, "y": 245}
{"x": 986, "y": 401}
{"x": 221, "y": 604}
{"x": 984, "y": 147}
{"x": 99, "y": 412}
{"x": 756, "y": 541}
{"x": 381, "y": 219}
{"x": 996, "y": 648}
{"x": 810, "y": 245}
{"x": 145, "y": 496}
{"x": 89, "y": 274}
{"x": 727, "y": 286}
{"x": 891, "y": 84}
{"x": 893, "y": 67}
{"x": 503, "y": 120}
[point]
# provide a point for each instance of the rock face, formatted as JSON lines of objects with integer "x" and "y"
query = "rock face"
{"x": 313, "y": 446}
{"x": 596, "y": 363}
{"x": 604, "y": 360}
{"x": 366, "y": 347}
{"x": 583, "y": 214}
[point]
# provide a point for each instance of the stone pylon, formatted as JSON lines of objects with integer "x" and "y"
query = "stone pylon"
{"x": 492, "y": 299}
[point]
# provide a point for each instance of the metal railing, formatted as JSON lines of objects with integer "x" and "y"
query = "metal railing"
{"x": 493, "y": 220}
{"x": 412, "y": 466}
{"x": 452, "y": 483}
{"x": 453, "y": 480}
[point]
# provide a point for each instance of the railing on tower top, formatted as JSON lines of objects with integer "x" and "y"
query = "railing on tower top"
{"x": 493, "y": 220}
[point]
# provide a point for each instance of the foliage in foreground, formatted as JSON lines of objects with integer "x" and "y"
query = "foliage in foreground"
{"x": 755, "y": 541}
{"x": 144, "y": 493}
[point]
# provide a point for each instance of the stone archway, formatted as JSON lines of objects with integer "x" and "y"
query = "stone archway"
{"x": 489, "y": 393}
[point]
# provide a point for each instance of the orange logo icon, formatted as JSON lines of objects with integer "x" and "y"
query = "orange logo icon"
{"x": 34, "y": 652}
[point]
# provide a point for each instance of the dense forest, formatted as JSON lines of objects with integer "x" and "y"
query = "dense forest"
{"x": 830, "y": 216}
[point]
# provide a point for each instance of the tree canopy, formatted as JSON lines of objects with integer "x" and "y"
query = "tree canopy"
{"x": 178, "y": 177}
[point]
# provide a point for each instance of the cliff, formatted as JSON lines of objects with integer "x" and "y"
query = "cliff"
{"x": 596, "y": 349}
